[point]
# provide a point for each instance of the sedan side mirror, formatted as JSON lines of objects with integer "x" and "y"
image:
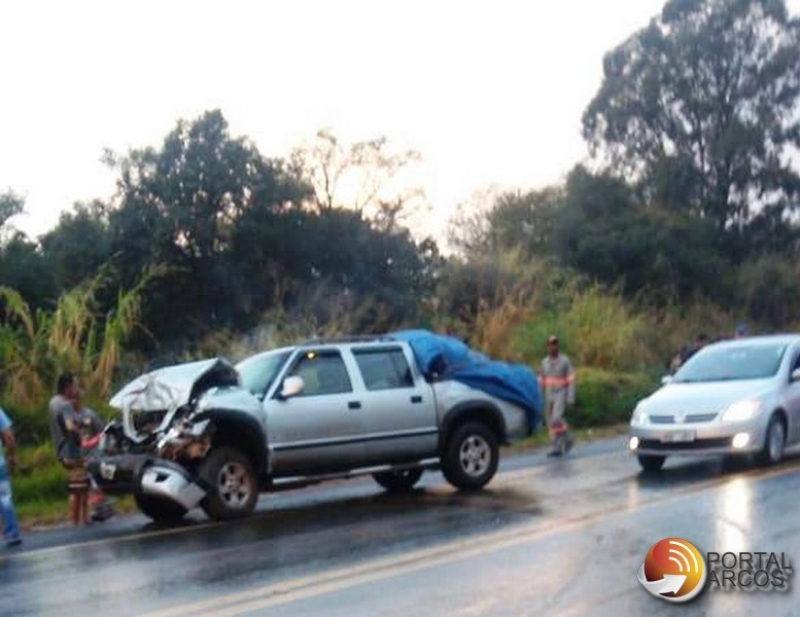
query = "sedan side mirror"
{"x": 292, "y": 386}
{"x": 667, "y": 379}
{"x": 795, "y": 376}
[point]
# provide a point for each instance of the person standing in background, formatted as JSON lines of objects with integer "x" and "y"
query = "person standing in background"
{"x": 8, "y": 463}
{"x": 65, "y": 432}
{"x": 557, "y": 382}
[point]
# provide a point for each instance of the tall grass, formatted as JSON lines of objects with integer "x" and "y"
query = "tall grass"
{"x": 35, "y": 347}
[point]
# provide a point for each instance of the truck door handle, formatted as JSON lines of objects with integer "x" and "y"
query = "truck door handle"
{"x": 416, "y": 398}
{"x": 354, "y": 405}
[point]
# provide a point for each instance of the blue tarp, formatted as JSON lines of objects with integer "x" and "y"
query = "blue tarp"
{"x": 445, "y": 357}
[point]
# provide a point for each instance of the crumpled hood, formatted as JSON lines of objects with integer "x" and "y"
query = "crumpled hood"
{"x": 173, "y": 386}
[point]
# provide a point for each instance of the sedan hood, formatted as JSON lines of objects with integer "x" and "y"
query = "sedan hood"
{"x": 173, "y": 386}
{"x": 702, "y": 397}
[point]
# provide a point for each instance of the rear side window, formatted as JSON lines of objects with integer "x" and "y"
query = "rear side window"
{"x": 383, "y": 369}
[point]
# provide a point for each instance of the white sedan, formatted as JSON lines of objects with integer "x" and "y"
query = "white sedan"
{"x": 733, "y": 397}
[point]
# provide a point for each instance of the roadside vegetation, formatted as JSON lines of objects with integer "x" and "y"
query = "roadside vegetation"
{"x": 683, "y": 221}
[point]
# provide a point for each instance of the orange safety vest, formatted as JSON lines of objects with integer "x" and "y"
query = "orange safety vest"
{"x": 557, "y": 375}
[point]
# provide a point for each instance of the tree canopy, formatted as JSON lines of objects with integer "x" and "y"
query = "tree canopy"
{"x": 700, "y": 109}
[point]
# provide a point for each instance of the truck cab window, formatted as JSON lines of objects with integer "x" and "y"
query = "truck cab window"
{"x": 384, "y": 369}
{"x": 322, "y": 373}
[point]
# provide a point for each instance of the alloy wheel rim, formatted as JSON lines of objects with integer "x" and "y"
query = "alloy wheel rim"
{"x": 475, "y": 455}
{"x": 234, "y": 485}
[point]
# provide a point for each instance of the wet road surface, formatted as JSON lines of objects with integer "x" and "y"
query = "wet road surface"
{"x": 547, "y": 537}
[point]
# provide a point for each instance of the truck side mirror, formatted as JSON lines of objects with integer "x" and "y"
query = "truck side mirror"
{"x": 292, "y": 386}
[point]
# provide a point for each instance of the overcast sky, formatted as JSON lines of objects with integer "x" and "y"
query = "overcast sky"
{"x": 488, "y": 92}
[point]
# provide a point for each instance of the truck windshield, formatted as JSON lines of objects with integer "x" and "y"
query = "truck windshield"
{"x": 259, "y": 371}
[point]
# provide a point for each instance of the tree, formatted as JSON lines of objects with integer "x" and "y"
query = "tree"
{"x": 700, "y": 108}
{"x": 78, "y": 246}
{"x": 11, "y": 204}
{"x": 179, "y": 206}
{"x": 22, "y": 266}
{"x": 24, "y": 269}
{"x": 526, "y": 221}
{"x": 359, "y": 177}
{"x": 469, "y": 231}
{"x": 603, "y": 231}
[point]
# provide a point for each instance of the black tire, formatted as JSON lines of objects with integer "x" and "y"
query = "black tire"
{"x": 471, "y": 456}
{"x": 651, "y": 463}
{"x": 160, "y": 509}
{"x": 233, "y": 489}
{"x": 774, "y": 442}
{"x": 398, "y": 481}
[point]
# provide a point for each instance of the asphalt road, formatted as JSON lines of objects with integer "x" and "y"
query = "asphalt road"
{"x": 547, "y": 537}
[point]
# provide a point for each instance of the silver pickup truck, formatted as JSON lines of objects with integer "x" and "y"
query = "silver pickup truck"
{"x": 214, "y": 435}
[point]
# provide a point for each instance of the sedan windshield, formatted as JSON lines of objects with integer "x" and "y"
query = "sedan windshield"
{"x": 258, "y": 372}
{"x": 726, "y": 363}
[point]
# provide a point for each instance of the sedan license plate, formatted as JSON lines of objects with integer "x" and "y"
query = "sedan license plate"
{"x": 678, "y": 437}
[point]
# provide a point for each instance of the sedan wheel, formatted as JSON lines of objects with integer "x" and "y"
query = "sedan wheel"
{"x": 774, "y": 443}
{"x": 651, "y": 463}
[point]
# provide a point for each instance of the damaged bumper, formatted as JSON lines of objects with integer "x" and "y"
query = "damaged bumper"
{"x": 140, "y": 473}
{"x": 117, "y": 474}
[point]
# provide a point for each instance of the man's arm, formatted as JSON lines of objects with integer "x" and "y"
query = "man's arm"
{"x": 570, "y": 382}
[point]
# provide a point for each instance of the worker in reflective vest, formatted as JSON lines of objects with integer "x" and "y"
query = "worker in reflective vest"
{"x": 557, "y": 382}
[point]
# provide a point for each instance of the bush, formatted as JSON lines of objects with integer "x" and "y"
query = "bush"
{"x": 40, "y": 477}
{"x": 30, "y": 422}
{"x": 595, "y": 327}
{"x": 604, "y": 398}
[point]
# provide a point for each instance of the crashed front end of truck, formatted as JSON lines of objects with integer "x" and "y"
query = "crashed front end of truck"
{"x": 165, "y": 430}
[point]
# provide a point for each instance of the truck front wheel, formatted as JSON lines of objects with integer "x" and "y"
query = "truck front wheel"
{"x": 471, "y": 456}
{"x": 233, "y": 490}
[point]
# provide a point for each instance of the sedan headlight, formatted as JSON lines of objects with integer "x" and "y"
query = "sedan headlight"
{"x": 742, "y": 411}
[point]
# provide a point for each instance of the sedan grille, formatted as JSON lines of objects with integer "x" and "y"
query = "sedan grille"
{"x": 662, "y": 419}
{"x": 689, "y": 418}
{"x": 701, "y": 417}
{"x": 697, "y": 444}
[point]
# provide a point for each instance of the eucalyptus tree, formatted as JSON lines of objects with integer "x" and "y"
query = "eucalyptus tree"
{"x": 700, "y": 109}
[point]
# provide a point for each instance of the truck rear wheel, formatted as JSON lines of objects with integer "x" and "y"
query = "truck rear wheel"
{"x": 471, "y": 456}
{"x": 233, "y": 490}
